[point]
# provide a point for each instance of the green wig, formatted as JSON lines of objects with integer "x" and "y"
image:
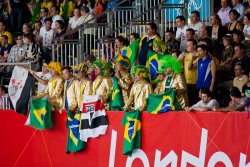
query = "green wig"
{"x": 105, "y": 67}
{"x": 124, "y": 61}
{"x": 171, "y": 62}
{"x": 141, "y": 71}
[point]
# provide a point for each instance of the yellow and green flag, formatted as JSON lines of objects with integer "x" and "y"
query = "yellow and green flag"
{"x": 132, "y": 51}
{"x": 36, "y": 13}
{"x": 164, "y": 102}
{"x": 40, "y": 114}
{"x": 74, "y": 143}
{"x": 153, "y": 64}
{"x": 116, "y": 102}
{"x": 132, "y": 132}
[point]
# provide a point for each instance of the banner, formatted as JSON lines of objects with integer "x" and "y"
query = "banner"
{"x": 168, "y": 139}
{"x": 19, "y": 89}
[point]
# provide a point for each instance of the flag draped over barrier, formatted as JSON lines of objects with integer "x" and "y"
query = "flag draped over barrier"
{"x": 159, "y": 103}
{"x": 93, "y": 118}
{"x": 74, "y": 143}
{"x": 132, "y": 132}
{"x": 116, "y": 102}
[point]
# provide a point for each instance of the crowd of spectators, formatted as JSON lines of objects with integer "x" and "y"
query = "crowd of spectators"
{"x": 30, "y": 27}
{"x": 215, "y": 58}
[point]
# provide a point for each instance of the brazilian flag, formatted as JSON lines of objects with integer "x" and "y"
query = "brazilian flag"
{"x": 132, "y": 51}
{"x": 153, "y": 64}
{"x": 74, "y": 143}
{"x": 36, "y": 13}
{"x": 116, "y": 102}
{"x": 40, "y": 114}
{"x": 164, "y": 102}
{"x": 132, "y": 131}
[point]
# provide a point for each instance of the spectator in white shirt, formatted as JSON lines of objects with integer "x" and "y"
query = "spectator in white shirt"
{"x": 206, "y": 103}
{"x": 88, "y": 33}
{"x": 42, "y": 77}
{"x": 195, "y": 21}
{"x": 239, "y": 7}
{"x": 47, "y": 35}
{"x": 73, "y": 20}
{"x": 224, "y": 13}
{"x": 55, "y": 16}
{"x": 246, "y": 29}
{"x": 181, "y": 30}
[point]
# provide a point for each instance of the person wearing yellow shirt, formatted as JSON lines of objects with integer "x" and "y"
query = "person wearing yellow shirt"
{"x": 103, "y": 83}
{"x": 84, "y": 85}
{"x": 140, "y": 89}
{"x": 70, "y": 89}
{"x": 191, "y": 74}
{"x": 174, "y": 79}
{"x": 123, "y": 76}
{"x": 47, "y": 4}
{"x": 66, "y": 9}
{"x": 4, "y": 32}
{"x": 54, "y": 89}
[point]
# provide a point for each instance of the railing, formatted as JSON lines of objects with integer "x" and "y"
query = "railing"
{"x": 17, "y": 64}
{"x": 120, "y": 21}
{"x": 158, "y": 14}
{"x": 71, "y": 52}
{"x": 68, "y": 52}
{"x": 121, "y": 15}
{"x": 5, "y": 103}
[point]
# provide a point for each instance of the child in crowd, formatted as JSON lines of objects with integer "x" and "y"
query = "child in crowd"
{"x": 159, "y": 46}
{"x": 161, "y": 76}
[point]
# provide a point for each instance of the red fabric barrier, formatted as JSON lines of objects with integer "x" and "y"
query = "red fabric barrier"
{"x": 210, "y": 137}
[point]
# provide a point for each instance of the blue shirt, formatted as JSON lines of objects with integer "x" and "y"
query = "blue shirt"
{"x": 112, "y": 4}
{"x": 204, "y": 75}
{"x": 66, "y": 99}
{"x": 146, "y": 44}
{"x": 241, "y": 9}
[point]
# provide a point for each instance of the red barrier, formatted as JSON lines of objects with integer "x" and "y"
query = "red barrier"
{"x": 180, "y": 138}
